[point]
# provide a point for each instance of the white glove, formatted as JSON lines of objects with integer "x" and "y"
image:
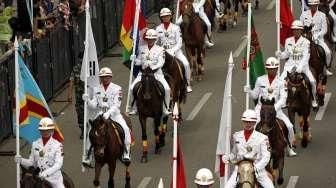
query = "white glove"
{"x": 277, "y": 53}
{"x": 299, "y": 69}
{"x": 18, "y": 159}
{"x": 197, "y": 9}
{"x": 132, "y": 57}
{"x": 104, "y": 105}
{"x": 247, "y": 89}
{"x": 107, "y": 115}
{"x": 43, "y": 175}
{"x": 171, "y": 52}
{"x": 227, "y": 158}
{"x": 85, "y": 97}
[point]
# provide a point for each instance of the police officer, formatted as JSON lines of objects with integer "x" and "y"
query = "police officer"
{"x": 107, "y": 101}
{"x": 297, "y": 52}
{"x": 253, "y": 145}
{"x": 169, "y": 37}
{"x": 46, "y": 154}
{"x": 270, "y": 86}
{"x": 317, "y": 19}
{"x": 79, "y": 91}
{"x": 204, "y": 178}
{"x": 151, "y": 55}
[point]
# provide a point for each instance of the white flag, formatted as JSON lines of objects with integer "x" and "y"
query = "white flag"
{"x": 90, "y": 55}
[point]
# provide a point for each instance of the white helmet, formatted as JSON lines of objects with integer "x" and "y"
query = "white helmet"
{"x": 46, "y": 124}
{"x": 272, "y": 63}
{"x": 165, "y": 12}
{"x": 204, "y": 177}
{"x": 249, "y": 115}
{"x": 313, "y": 2}
{"x": 151, "y": 34}
{"x": 297, "y": 24}
{"x": 105, "y": 71}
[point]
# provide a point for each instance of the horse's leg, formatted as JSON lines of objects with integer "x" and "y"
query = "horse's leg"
{"x": 291, "y": 116}
{"x": 190, "y": 59}
{"x": 163, "y": 130}
{"x": 111, "y": 167}
{"x": 200, "y": 65}
{"x": 98, "y": 167}
{"x": 281, "y": 163}
{"x": 128, "y": 178}
{"x": 305, "y": 129}
{"x": 144, "y": 157}
{"x": 157, "y": 121}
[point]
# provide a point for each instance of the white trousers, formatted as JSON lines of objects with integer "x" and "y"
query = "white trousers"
{"x": 333, "y": 15}
{"x": 327, "y": 51}
{"x": 179, "y": 55}
{"x": 160, "y": 77}
{"x": 262, "y": 178}
{"x": 281, "y": 115}
{"x": 119, "y": 119}
{"x": 56, "y": 182}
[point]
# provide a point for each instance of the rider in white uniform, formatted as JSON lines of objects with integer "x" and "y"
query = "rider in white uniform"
{"x": 107, "y": 101}
{"x": 296, "y": 51}
{"x": 169, "y": 37}
{"x": 151, "y": 55}
{"x": 270, "y": 86}
{"x": 46, "y": 154}
{"x": 253, "y": 145}
{"x": 317, "y": 19}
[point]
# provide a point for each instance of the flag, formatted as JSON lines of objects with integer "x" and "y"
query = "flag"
{"x": 90, "y": 56}
{"x": 180, "y": 174}
{"x": 127, "y": 27}
{"x": 33, "y": 106}
{"x": 286, "y": 19}
{"x": 223, "y": 141}
{"x": 256, "y": 65}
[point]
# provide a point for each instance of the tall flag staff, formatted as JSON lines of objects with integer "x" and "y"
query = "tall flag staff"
{"x": 248, "y": 50}
{"x": 17, "y": 111}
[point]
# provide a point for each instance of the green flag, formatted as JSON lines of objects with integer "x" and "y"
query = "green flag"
{"x": 257, "y": 67}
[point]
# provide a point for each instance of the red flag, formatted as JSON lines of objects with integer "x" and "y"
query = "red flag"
{"x": 286, "y": 19}
{"x": 180, "y": 175}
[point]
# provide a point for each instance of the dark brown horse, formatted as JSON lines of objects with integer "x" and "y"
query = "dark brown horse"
{"x": 106, "y": 137}
{"x": 30, "y": 179}
{"x": 210, "y": 11}
{"x": 299, "y": 101}
{"x": 317, "y": 62}
{"x": 149, "y": 97}
{"x": 193, "y": 33}
{"x": 277, "y": 132}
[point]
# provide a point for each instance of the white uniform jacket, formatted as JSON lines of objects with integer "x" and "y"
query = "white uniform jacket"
{"x": 257, "y": 148}
{"x": 49, "y": 158}
{"x": 262, "y": 88}
{"x": 169, "y": 38}
{"x": 319, "y": 21}
{"x": 153, "y": 58}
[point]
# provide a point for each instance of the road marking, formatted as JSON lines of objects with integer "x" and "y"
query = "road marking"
{"x": 270, "y": 6}
{"x": 320, "y": 112}
{"x": 292, "y": 181}
{"x": 240, "y": 48}
{"x": 199, "y": 105}
{"x": 144, "y": 182}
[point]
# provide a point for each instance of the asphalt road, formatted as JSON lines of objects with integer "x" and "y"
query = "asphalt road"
{"x": 313, "y": 167}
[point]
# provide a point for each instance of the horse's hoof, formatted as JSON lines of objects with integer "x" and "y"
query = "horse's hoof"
{"x": 280, "y": 181}
{"x": 304, "y": 143}
{"x": 144, "y": 159}
{"x": 96, "y": 183}
{"x": 158, "y": 151}
{"x": 127, "y": 185}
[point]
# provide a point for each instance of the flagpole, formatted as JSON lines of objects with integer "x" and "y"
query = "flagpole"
{"x": 175, "y": 119}
{"x": 134, "y": 37}
{"x": 249, "y": 13}
{"x": 291, "y": 5}
{"x": 229, "y": 117}
{"x": 302, "y": 6}
{"x": 17, "y": 111}
{"x": 86, "y": 53}
{"x": 177, "y": 10}
{"x": 277, "y": 20}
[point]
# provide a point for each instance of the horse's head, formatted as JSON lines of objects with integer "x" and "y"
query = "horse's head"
{"x": 267, "y": 112}
{"x": 148, "y": 81}
{"x": 30, "y": 178}
{"x": 307, "y": 32}
{"x": 246, "y": 174}
{"x": 99, "y": 135}
{"x": 188, "y": 13}
{"x": 295, "y": 84}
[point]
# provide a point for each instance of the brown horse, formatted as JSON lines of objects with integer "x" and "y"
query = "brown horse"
{"x": 30, "y": 179}
{"x": 277, "y": 132}
{"x": 106, "y": 137}
{"x": 149, "y": 97}
{"x": 193, "y": 33}
{"x": 230, "y": 16}
{"x": 246, "y": 174}
{"x": 210, "y": 11}
{"x": 299, "y": 101}
{"x": 317, "y": 62}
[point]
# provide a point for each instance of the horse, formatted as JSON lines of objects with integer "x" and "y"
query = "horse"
{"x": 277, "y": 132}
{"x": 193, "y": 33}
{"x": 30, "y": 179}
{"x": 149, "y": 97}
{"x": 230, "y": 16}
{"x": 210, "y": 10}
{"x": 246, "y": 174}
{"x": 106, "y": 137}
{"x": 299, "y": 100}
{"x": 317, "y": 62}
